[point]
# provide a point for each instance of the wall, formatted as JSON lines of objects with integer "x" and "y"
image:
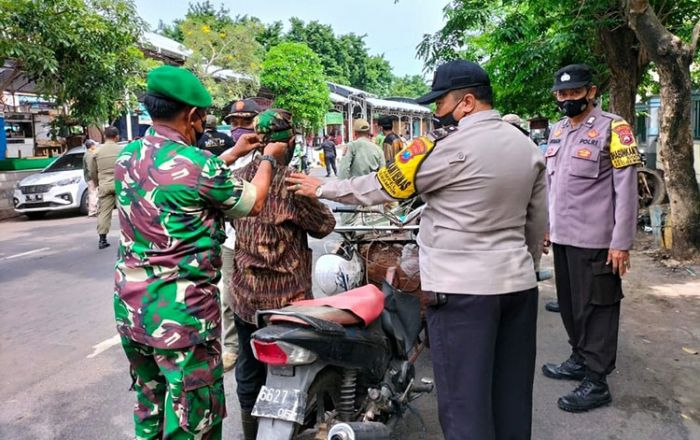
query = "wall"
{"x": 8, "y": 179}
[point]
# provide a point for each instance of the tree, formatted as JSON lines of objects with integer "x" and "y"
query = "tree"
{"x": 345, "y": 58}
{"x": 218, "y": 48}
{"x": 82, "y": 53}
{"x": 294, "y": 73}
{"x": 204, "y": 11}
{"x": 517, "y": 39}
{"x": 408, "y": 86}
{"x": 672, "y": 57}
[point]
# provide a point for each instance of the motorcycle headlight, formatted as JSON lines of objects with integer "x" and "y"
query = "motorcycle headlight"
{"x": 69, "y": 181}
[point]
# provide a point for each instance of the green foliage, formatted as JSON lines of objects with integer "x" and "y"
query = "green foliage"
{"x": 83, "y": 53}
{"x": 294, "y": 73}
{"x": 217, "y": 46}
{"x": 409, "y": 86}
{"x": 521, "y": 43}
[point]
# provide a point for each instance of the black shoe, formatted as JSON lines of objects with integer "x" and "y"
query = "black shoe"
{"x": 590, "y": 394}
{"x": 328, "y": 175}
{"x": 570, "y": 369}
{"x": 552, "y": 306}
{"x": 102, "y": 244}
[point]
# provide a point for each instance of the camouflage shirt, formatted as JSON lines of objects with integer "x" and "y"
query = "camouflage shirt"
{"x": 172, "y": 200}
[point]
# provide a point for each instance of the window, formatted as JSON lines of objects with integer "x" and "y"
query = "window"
{"x": 66, "y": 162}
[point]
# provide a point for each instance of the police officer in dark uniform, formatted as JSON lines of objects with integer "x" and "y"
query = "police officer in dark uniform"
{"x": 485, "y": 214}
{"x": 212, "y": 140}
{"x": 592, "y": 178}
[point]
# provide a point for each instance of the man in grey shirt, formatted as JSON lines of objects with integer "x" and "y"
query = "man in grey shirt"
{"x": 484, "y": 186}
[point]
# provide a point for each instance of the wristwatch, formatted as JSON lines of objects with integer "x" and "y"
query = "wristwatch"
{"x": 270, "y": 159}
{"x": 319, "y": 191}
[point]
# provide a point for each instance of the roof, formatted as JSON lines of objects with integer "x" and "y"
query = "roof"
{"x": 19, "y": 82}
{"x": 219, "y": 73}
{"x": 346, "y": 91}
{"x": 338, "y": 99}
{"x": 397, "y": 105}
{"x": 165, "y": 45}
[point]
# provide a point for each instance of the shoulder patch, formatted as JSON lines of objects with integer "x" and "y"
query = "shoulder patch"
{"x": 398, "y": 179}
{"x": 623, "y": 147}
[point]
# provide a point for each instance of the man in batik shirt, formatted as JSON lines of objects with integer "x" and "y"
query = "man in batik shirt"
{"x": 272, "y": 263}
{"x": 172, "y": 199}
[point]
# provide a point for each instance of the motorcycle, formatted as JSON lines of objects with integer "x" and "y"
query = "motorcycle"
{"x": 343, "y": 367}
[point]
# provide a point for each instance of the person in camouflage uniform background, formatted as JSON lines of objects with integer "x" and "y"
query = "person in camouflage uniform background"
{"x": 172, "y": 200}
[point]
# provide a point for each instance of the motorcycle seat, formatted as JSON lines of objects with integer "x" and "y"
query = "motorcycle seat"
{"x": 362, "y": 305}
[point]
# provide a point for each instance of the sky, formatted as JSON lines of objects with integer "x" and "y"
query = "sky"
{"x": 392, "y": 29}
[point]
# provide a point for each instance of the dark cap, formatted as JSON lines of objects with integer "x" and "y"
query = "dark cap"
{"x": 572, "y": 76}
{"x": 244, "y": 108}
{"x": 457, "y": 74}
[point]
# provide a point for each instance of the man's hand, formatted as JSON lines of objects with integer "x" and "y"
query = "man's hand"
{"x": 303, "y": 185}
{"x": 546, "y": 244}
{"x": 275, "y": 149}
{"x": 620, "y": 261}
{"x": 245, "y": 144}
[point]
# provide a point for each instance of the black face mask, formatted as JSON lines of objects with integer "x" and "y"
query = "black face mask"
{"x": 198, "y": 134}
{"x": 446, "y": 120}
{"x": 573, "y": 107}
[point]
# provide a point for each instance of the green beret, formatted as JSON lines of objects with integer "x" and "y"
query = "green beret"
{"x": 274, "y": 125}
{"x": 177, "y": 84}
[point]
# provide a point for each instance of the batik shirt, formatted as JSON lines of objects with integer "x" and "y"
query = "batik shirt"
{"x": 272, "y": 263}
{"x": 172, "y": 200}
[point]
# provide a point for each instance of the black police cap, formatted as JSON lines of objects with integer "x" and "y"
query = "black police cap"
{"x": 572, "y": 76}
{"x": 453, "y": 75}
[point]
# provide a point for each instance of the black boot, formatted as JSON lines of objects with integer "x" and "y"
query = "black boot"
{"x": 552, "y": 306}
{"x": 588, "y": 395}
{"x": 571, "y": 369}
{"x": 103, "y": 242}
{"x": 250, "y": 425}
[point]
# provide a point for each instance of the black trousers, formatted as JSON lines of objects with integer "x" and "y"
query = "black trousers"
{"x": 589, "y": 297}
{"x": 483, "y": 349}
{"x": 330, "y": 162}
{"x": 250, "y": 373}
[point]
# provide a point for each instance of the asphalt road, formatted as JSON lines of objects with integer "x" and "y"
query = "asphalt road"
{"x": 65, "y": 377}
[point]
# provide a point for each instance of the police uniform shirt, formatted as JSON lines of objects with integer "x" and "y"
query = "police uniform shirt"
{"x": 592, "y": 180}
{"x": 486, "y": 206}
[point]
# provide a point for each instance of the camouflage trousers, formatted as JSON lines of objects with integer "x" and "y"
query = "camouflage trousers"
{"x": 179, "y": 393}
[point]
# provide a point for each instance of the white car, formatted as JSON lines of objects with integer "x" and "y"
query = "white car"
{"x": 60, "y": 186}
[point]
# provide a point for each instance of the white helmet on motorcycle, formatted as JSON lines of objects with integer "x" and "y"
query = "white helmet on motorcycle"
{"x": 335, "y": 274}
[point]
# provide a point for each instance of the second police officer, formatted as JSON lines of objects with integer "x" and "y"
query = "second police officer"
{"x": 591, "y": 173}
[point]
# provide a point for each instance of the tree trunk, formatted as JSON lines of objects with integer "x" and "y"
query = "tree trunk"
{"x": 673, "y": 58}
{"x": 627, "y": 64}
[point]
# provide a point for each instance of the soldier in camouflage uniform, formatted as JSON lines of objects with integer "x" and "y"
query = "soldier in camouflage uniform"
{"x": 172, "y": 199}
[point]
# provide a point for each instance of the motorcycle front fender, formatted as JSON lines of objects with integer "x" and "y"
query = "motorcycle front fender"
{"x": 304, "y": 375}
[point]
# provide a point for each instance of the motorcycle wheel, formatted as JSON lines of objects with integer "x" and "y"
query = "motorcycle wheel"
{"x": 325, "y": 388}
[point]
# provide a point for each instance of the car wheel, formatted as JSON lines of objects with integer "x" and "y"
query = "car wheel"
{"x": 84, "y": 203}
{"x": 35, "y": 215}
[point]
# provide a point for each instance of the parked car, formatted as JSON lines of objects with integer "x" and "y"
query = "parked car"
{"x": 58, "y": 187}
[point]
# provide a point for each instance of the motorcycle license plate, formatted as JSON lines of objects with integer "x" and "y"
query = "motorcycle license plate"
{"x": 281, "y": 404}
